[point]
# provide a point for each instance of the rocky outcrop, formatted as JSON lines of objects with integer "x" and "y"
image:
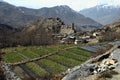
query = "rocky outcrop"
{"x": 91, "y": 69}
{"x": 9, "y": 75}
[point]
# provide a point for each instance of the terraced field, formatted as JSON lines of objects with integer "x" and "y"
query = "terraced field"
{"x": 56, "y": 60}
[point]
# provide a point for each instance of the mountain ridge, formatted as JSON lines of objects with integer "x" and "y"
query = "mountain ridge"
{"x": 64, "y": 12}
{"x": 10, "y": 15}
{"x": 20, "y": 16}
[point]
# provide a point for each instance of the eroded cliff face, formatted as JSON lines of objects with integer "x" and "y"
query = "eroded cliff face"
{"x": 92, "y": 69}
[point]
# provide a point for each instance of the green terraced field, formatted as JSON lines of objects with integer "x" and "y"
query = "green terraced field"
{"x": 51, "y": 65}
{"x": 65, "y": 61}
{"x": 13, "y": 57}
{"x": 80, "y": 52}
{"x": 37, "y": 69}
{"x": 73, "y": 55}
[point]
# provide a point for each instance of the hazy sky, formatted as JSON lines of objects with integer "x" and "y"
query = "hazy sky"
{"x": 74, "y": 4}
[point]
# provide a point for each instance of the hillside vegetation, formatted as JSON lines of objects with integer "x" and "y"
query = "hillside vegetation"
{"x": 111, "y": 32}
{"x": 39, "y": 33}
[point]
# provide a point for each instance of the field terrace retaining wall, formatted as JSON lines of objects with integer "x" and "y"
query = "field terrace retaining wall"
{"x": 91, "y": 69}
{"x": 39, "y": 58}
{"x": 9, "y": 75}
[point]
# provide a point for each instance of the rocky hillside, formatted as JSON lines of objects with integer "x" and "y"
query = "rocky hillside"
{"x": 42, "y": 31}
{"x": 109, "y": 32}
{"x": 115, "y": 27}
{"x": 52, "y": 25}
{"x": 104, "y": 14}
{"x": 20, "y": 16}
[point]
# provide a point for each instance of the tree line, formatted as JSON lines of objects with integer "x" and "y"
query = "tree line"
{"x": 38, "y": 36}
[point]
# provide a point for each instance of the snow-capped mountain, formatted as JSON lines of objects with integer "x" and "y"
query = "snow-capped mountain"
{"x": 104, "y": 14}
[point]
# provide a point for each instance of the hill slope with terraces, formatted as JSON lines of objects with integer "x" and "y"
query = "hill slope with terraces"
{"x": 44, "y": 62}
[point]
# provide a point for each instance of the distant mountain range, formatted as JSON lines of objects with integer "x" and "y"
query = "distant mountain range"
{"x": 20, "y": 16}
{"x": 104, "y": 14}
{"x": 12, "y": 16}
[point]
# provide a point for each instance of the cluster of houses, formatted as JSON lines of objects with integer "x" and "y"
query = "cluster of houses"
{"x": 69, "y": 35}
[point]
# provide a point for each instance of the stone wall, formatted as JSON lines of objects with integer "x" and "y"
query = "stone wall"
{"x": 66, "y": 30}
{"x": 9, "y": 75}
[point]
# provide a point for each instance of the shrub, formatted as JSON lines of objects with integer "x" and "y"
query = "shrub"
{"x": 110, "y": 36}
{"x": 108, "y": 74}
